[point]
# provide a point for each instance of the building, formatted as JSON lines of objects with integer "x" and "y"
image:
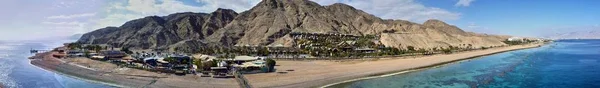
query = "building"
{"x": 113, "y": 54}
{"x": 515, "y": 39}
{"x": 75, "y": 53}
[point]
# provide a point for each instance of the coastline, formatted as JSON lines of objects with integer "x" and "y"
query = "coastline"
{"x": 49, "y": 63}
{"x": 297, "y": 73}
{"x": 122, "y": 77}
{"x": 418, "y": 69}
{"x": 75, "y": 77}
{"x": 327, "y": 73}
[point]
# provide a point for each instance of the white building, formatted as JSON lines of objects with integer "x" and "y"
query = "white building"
{"x": 515, "y": 39}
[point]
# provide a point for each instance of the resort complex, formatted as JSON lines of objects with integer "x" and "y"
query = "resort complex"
{"x": 275, "y": 44}
{"x": 233, "y": 63}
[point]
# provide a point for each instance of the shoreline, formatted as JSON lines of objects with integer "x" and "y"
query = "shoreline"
{"x": 114, "y": 76}
{"x": 59, "y": 69}
{"x": 340, "y": 72}
{"x": 76, "y": 77}
{"x": 419, "y": 68}
{"x": 296, "y": 73}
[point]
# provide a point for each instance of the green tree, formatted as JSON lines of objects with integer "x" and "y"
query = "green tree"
{"x": 483, "y": 47}
{"x": 126, "y": 50}
{"x": 198, "y": 63}
{"x": 447, "y": 50}
{"x": 271, "y": 64}
{"x": 207, "y": 65}
{"x": 264, "y": 51}
{"x": 410, "y": 48}
{"x": 87, "y": 54}
{"x": 74, "y": 46}
{"x": 421, "y": 50}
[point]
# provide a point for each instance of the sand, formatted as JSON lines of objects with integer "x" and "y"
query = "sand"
{"x": 107, "y": 73}
{"x": 290, "y": 74}
{"x": 303, "y": 74}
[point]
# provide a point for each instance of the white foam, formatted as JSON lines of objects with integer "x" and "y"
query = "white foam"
{"x": 6, "y": 47}
{"x": 5, "y": 70}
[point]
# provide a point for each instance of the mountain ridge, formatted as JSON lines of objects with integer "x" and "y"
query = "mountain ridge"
{"x": 271, "y": 21}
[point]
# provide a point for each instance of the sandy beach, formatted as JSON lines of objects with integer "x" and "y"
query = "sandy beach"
{"x": 110, "y": 74}
{"x": 294, "y": 74}
{"x": 302, "y": 74}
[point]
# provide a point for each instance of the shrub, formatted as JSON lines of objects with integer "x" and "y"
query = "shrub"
{"x": 271, "y": 64}
{"x": 74, "y": 46}
{"x": 170, "y": 59}
{"x": 447, "y": 50}
{"x": 126, "y": 50}
{"x": 198, "y": 63}
{"x": 410, "y": 48}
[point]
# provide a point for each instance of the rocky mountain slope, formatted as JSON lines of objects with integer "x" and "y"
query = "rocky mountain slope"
{"x": 271, "y": 21}
{"x": 155, "y": 32}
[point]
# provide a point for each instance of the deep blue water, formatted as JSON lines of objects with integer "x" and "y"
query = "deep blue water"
{"x": 17, "y": 72}
{"x": 562, "y": 64}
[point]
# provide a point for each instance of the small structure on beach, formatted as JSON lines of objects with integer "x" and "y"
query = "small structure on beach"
{"x": 515, "y": 39}
{"x": 248, "y": 63}
{"x": 242, "y": 59}
{"x": 180, "y": 64}
{"x": 75, "y": 53}
{"x": 113, "y": 54}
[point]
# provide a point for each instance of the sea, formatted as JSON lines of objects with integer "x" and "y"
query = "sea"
{"x": 561, "y": 64}
{"x": 17, "y": 72}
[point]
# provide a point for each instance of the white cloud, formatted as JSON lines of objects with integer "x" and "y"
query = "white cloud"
{"x": 464, "y": 3}
{"x": 151, "y": 7}
{"x": 398, "y": 9}
{"x": 114, "y": 20}
{"x": 118, "y": 13}
{"x": 72, "y": 27}
{"x": 473, "y": 27}
{"x": 62, "y": 23}
{"x": 236, "y": 5}
{"x": 72, "y": 16}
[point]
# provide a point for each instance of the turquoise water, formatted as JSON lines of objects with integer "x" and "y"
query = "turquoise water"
{"x": 17, "y": 72}
{"x": 562, "y": 64}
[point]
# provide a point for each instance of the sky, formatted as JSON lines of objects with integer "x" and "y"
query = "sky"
{"x": 44, "y": 19}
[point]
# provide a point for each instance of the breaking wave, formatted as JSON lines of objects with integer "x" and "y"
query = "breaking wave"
{"x": 7, "y": 64}
{"x": 6, "y": 68}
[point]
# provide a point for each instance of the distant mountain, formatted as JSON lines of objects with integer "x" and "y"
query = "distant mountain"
{"x": 271, "y": 21}
{"x": 589, "y": 34}
{"x": 75, "y": 36}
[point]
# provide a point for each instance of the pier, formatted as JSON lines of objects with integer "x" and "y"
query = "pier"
{"x": 37, "y": 51}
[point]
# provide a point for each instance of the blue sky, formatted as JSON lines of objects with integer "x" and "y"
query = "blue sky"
{"x": 523, "y": 17}
{"x": 43, "y": 19}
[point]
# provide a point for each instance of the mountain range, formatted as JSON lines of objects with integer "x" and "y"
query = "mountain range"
{"x": 271, "y": 21}
{"x": 587, "y": 34}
